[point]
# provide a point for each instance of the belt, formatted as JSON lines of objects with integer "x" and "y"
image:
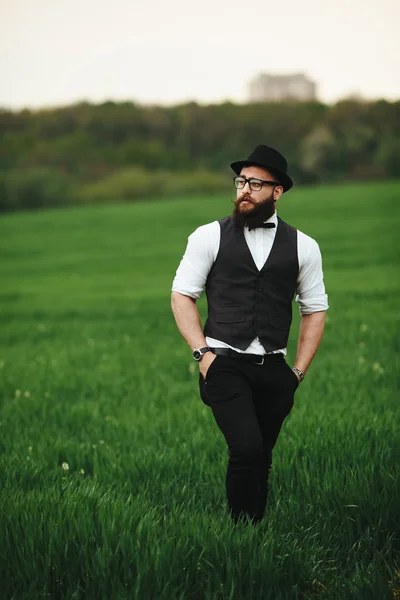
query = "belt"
{"x": 255, "y": 359}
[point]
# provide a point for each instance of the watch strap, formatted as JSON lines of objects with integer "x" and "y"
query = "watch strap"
{"x": 200, "y": 351}
{"x": 299, "y": 373}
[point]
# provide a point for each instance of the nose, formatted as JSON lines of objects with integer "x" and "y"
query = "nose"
{"x": 246, "y": 188}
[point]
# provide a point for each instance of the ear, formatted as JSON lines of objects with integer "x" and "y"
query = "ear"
{"x": 278, "y": 191}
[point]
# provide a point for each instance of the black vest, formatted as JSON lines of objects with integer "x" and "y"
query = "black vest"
{"x": 244, "y": 302}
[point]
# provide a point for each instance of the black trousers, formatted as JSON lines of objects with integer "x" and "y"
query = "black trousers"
{"x": 249, "y": 403}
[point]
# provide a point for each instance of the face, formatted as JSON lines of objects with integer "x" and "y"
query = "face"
{"x": 255, "y": 207}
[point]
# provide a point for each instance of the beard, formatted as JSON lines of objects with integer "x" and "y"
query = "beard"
{"x": 256, "y": 216}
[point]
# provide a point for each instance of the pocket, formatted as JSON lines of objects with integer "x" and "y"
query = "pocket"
{"x": 230, "y": 316}
{"x": 296, "y": 381}
{"x": 280, "y": 323}
{"x": 202, "y": 390}
{"x": 292, "y": 376}
{"x": 209, "y": 370}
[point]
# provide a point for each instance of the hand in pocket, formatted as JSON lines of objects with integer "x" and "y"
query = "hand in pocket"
{"x": 206, "y": 363}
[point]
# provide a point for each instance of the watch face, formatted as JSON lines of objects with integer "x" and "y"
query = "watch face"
{"x": 196, "y": 354}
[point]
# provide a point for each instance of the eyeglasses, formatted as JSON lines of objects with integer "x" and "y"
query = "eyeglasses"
{"x": 255, "y": 184}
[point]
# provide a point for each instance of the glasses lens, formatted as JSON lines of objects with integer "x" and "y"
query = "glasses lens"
{"x": 239, "y": 182}
{"x": 255, "y": 184}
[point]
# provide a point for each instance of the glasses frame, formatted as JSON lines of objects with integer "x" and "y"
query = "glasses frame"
{"x": 250, "y": 179}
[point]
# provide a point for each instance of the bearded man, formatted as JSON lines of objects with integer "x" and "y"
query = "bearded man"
{"x": 252, "y": 265}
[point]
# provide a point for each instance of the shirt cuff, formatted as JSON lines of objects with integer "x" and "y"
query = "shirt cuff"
{"x": 311, "y": 305}
{"x": 191, "y": 294}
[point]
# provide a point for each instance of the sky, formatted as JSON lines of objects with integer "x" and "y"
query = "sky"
{"x": 55, "y": 53}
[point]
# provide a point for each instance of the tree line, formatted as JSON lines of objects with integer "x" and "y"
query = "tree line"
{"x": 87, "y": 153}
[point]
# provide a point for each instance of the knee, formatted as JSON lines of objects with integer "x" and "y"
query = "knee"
{"x": 250, "y": 451}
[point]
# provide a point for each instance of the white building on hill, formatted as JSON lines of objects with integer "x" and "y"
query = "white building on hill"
{"x": 266, "y": 88}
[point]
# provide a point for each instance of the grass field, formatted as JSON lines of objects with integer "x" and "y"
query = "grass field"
{"x": 112, "y": 469}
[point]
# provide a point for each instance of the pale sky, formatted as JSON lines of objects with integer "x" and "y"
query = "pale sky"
{"x": 170, "y": 51}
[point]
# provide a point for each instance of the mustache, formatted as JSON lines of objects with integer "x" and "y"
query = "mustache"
{"x": 242, "y": 199}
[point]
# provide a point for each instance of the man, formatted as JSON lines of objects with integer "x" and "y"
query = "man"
{"x": 252, "y": 264}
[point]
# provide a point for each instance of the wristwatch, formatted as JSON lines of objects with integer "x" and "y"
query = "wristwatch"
{"x": 299, "y": 373}
{"x": 199, "y": 352}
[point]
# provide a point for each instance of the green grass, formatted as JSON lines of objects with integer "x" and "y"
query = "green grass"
{"x": 95, "y": 374}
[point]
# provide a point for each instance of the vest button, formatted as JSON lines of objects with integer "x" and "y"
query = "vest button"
{"x": 259, "y": 290}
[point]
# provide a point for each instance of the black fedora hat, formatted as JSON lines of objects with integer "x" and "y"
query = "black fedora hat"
{"x": 270, "y": 159}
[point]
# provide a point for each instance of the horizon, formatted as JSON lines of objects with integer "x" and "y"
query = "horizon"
{"x": 141, "y": 104}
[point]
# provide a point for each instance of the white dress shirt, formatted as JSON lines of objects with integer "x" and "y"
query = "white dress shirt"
{"x": 202, "y": 250}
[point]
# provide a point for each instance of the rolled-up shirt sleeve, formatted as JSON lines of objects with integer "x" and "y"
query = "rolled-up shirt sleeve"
{"x": 310, "y": 290}
{"x": 191, "y": 274}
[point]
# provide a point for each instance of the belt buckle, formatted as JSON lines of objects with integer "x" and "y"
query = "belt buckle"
{"x": 260, "y": 363}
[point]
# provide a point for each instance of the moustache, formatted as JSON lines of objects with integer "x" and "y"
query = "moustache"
{"x": 244, "y": 199}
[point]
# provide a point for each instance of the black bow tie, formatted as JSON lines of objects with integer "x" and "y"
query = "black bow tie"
{"x": 264, "y": 226}
{"x": 268, "y": 225}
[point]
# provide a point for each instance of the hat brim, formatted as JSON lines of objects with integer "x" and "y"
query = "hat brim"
{"x": 284, "y": 179}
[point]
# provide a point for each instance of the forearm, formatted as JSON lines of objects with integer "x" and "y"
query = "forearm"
{"x": 310, "y": 335}
{"x": 187, "y": 319}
